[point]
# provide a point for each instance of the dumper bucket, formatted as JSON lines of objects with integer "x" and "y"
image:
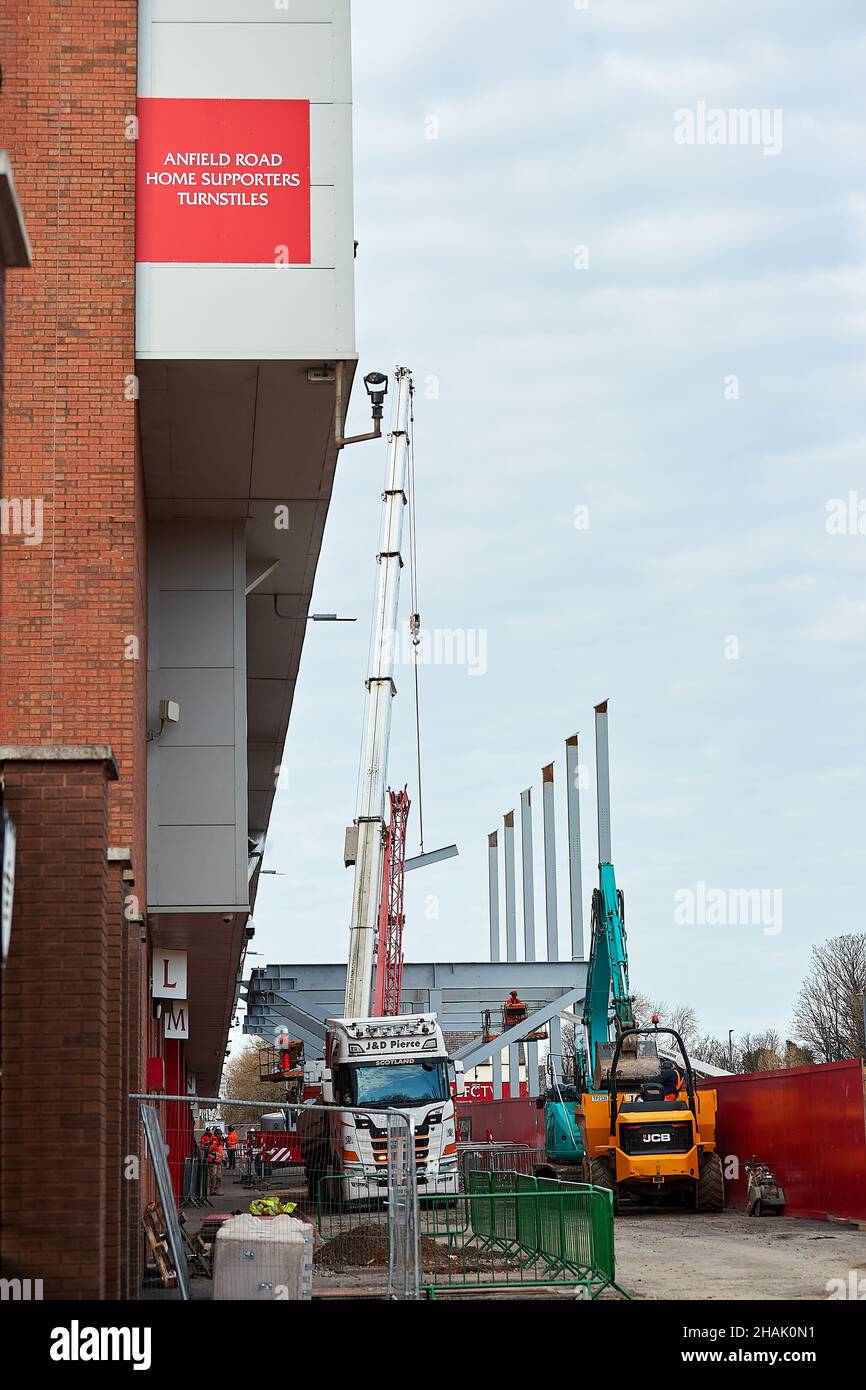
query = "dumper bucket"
{"x": 638, "y": 1061}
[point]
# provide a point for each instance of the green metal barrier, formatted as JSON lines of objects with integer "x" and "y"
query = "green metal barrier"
{"x": 513, "y": 1231}
{"x": 506, "y": 1231}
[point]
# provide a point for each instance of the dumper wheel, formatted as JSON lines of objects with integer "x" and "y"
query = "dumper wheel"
{"x": 601, "y": 1172}
{"x": 711, "y": 1184}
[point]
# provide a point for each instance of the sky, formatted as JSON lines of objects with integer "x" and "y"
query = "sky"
{"x": 639, "y": 361}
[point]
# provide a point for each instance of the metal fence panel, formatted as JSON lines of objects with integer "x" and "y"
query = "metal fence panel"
{"x": 509, "y": 1230}
{"x": 403, "y": 1250}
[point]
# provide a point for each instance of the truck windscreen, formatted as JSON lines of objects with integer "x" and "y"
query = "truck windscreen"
{"x": 393, "y": 1083}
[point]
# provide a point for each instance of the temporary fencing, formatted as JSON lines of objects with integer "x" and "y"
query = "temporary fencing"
{"x": 504, "y": 1230}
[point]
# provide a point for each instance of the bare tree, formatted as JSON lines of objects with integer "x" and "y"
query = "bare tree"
{"x": 241, "y": 1081}
{"x": 716, "y": 1053}
{"x": 828, "y": 1016}
{"x": 797, "y": 1056}
{"x": 681, "y": 1017}
{"x": 761, "y": 1051}
{"x": 568, "y": 1035}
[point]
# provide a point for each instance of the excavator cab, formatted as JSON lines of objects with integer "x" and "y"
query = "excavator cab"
{"x": 643, "y": 1145}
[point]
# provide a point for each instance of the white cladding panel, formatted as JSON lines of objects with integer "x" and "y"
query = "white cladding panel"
{"x": 257, "y": 50}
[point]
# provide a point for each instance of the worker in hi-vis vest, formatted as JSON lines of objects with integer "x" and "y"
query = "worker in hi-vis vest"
{"x": 215, "y": 1155}
{"x": 232, "y": 1146}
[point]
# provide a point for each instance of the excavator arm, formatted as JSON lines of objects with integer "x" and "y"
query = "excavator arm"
{"x": 608, "y": 995}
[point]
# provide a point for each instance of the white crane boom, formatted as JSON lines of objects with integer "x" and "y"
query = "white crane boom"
{"x": 380, "y": 693}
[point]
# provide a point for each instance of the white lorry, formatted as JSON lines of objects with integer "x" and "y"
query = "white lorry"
{"x": 396, "y": 1063}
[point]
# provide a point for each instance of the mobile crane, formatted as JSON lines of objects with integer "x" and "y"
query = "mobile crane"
{"x": 628, "y": 1131}
{"x": 373, "y": 1054}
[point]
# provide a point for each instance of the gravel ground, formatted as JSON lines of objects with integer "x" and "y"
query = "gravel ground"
{"x": 685, "y": 1256}
{"x": 660, "y": 1256}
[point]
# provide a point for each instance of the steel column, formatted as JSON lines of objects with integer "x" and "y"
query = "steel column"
{"x": 551, "y": 915}
{"x": 493, "y": 892}
{"x": 528, "y": 880}
{"x": 495, "y": 947}
{"x": 602, "y": 781}
{"x": 575, "y": 883}
{"x": 511, "y": 940}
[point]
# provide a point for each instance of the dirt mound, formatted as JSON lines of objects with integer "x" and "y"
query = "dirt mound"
{"x": 366, "y": 1247}
{"x": 360, "y": 1248}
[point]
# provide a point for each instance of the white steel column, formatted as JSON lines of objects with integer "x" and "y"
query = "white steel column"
{"x": 602, "y": 781}
{"x": 548, "y": 808}
{"x": 495, "y": 948}
{"x": 575, "y": 883}
{"x": 511, "y": 941}
{"x": 493, "y": 893}
{"x": 528, "y": 878}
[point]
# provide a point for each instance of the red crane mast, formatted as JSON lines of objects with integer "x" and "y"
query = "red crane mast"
{"x": 392, "y": 918}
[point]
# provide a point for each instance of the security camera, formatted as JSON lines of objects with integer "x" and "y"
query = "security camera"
{"x": 227, "y": 918}
{"x": 377, "y": 389}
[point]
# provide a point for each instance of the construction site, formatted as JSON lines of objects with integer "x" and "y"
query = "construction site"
{"x": 553, "y": 992}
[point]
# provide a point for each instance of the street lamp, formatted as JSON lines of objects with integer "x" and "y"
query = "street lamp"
{"x": 376, "y": 384}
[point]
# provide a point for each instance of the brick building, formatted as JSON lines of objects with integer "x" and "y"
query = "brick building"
{"x": 170, "y": 433}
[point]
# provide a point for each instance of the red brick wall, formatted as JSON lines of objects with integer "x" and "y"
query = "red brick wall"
{"x": 60, "y": 1094}
{"x": 69, "y": 83}
{"x": 67, "y": 609}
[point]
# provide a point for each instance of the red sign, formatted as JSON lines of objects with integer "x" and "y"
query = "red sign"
{"x": 483, "y": 1090}
{"x": 225, "y": 181}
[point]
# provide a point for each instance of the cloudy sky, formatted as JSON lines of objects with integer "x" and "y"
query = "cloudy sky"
{"x": 670, "y": 336}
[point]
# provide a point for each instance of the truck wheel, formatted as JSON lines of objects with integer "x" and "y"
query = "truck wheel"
{"x": 711, "y": 1184}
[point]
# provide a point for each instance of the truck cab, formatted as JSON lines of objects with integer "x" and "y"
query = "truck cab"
{"x": 395, "y": 1063}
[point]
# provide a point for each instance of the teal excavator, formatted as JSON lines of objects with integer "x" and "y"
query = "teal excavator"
{"x": 608, "y": 1003}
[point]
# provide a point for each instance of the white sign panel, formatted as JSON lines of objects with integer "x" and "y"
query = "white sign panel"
{"x": 176, "y": 1017}
{"x": 169, "y": 975}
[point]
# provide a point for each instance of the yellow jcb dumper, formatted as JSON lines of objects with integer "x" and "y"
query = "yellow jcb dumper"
{"x": 655, "y": 1139}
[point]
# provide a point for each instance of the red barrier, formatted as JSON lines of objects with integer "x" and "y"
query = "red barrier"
{"x": 809, "y": 1124}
